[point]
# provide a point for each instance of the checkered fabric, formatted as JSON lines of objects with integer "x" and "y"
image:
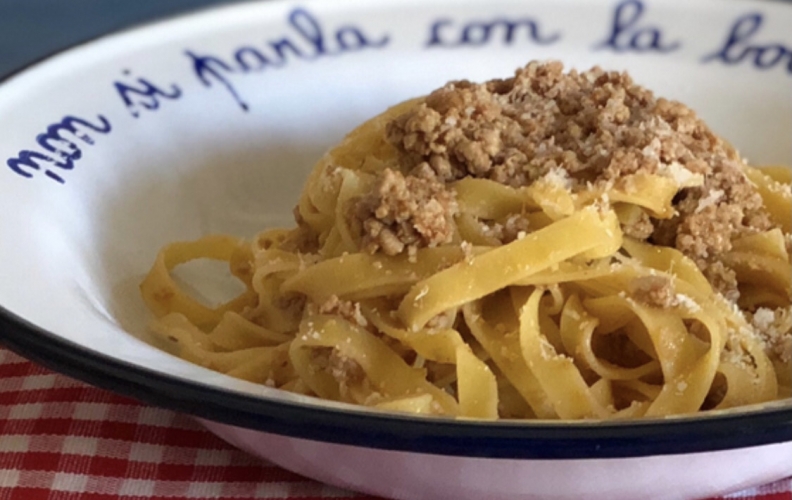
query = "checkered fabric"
{"x": 64, "y": 440}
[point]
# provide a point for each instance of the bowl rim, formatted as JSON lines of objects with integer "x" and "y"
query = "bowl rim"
{"x": 756, "y": 425}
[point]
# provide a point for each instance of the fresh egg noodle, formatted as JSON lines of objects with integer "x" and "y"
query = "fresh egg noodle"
{"x": 541, "y": 327}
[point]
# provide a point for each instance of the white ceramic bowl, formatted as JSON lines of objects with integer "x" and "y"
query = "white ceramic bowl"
{"x": 210, "y": 122}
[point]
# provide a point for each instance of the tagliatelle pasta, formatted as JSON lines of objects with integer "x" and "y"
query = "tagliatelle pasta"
{"x": 554, "y": 246}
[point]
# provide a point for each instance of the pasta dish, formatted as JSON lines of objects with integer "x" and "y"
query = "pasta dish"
{"x": 555, "y": 245}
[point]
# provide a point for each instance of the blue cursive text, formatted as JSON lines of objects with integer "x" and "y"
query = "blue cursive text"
{"x": 144, "y": 94}
{"x": 740, "y": 47}
{"x": 310, "y": 41}
{"x": 445, "y": 33}
{"x": 628, "y": 35}
{"x": 62, "y": 146}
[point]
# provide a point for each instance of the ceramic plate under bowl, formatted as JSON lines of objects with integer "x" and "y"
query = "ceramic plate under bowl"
{"x": 210, "y": 123}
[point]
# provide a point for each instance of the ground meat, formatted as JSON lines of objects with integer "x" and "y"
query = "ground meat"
{"x": 442, "y": 321}
{"x": 345, "y": 370}
{"x": 710, "y": 217}
{"x": 784, "y": 348}
{"x": 654, "y": 291}
{"x": 406, "y": 212}
{"x": 514, "y": 227}
{"x": 774, "y": 327}
{"x": 721, "y": 277}
{"x": 593, "y": 124}
{"x": 597, "y": 128}
{"x": 640, "y": 228}
{"x": 347, "y": 309}
{"x": 304, "y": 239}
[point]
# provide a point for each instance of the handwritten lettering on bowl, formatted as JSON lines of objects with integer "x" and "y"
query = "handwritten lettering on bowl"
{"x": 306, "y": 38}
{"x": 143, "y": 94}
{"x": 743, "y": 46}
{"x": 506, "y": 31}
{"x": 308, "y": 41}
{"x": 61, "y": 142}
{"x": 629, "y": 34}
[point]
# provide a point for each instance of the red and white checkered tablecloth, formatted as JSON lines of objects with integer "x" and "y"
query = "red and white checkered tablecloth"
{"x": 63, "y": 440}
